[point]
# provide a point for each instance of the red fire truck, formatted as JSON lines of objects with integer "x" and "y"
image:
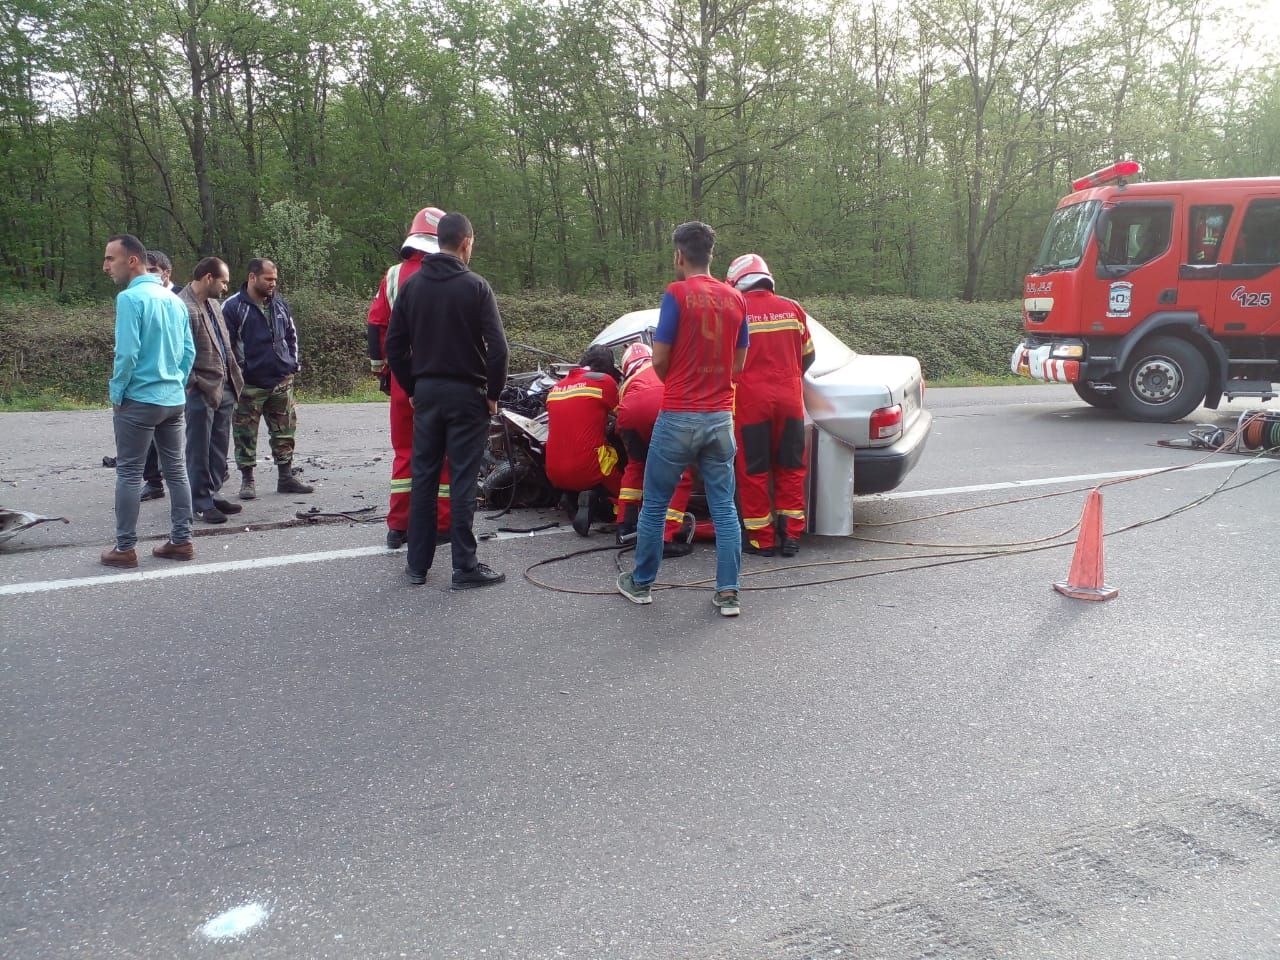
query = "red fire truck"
{"x": 1153, "y": 298}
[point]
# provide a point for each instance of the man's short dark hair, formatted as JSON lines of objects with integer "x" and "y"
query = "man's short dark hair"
{"x": 696, "y": 241}
{"x": 207, "y": 266}
{"x": 600, "y": 359}
{"x": 131, "y": 245}
{"x": 453, "y": 229}
{"x": 160, "y": 260}
{"x": 256, "y": 265}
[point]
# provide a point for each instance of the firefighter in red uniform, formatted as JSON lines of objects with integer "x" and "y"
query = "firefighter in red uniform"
{"x": 580, "y": 458}
{"x": 769, "y": 412}
{"x": 420, "y": 241}
{"x": 640, "y": 400}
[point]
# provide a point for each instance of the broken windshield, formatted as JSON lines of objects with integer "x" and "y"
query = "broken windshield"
{"x": 1065, "y": 240}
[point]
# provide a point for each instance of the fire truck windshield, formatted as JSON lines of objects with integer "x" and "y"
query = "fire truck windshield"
{"x": 1065, "y": 240}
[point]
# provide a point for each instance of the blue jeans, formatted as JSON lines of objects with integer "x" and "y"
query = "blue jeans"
{"x": 681, "y": 439}
{"x": 136, "y": 424}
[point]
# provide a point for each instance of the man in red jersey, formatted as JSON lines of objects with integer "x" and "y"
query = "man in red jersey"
{"x": 769, "y": 415}
{"x": 420, "y": 241}
{"x": 639, "y": 402}
{"x": 699, "y": 348}
{"x": 580, "y": 459}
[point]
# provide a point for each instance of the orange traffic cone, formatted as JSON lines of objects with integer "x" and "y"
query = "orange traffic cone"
{"x": 1084, "y": 582}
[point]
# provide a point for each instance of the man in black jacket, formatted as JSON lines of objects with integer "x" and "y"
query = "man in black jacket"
{"x": 446, "y": 348}
{"x": 264, "y": 340}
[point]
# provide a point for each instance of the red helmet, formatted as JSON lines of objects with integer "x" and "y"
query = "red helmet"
{"x": 748, "y": 270}
{"x": 422, "y": 233}
{"x": 634, "y": 359}
{"x": 427, "y": 220}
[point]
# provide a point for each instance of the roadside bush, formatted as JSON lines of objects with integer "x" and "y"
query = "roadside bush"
{"x": 50, "y": 348}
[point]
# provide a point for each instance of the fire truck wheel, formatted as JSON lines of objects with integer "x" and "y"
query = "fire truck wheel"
{"x": 1165, "y": 380}
{"x": 1095, "y": 398}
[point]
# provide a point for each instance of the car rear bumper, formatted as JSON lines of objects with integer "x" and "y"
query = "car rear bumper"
{"x": 879, "y": 469}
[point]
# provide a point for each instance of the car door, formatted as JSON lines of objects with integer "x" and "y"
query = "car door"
{"x": 1138, "y": 246}
{"x": 1248, "y": 292}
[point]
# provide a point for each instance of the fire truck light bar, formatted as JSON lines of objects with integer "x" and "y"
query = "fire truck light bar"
{"x": 1117, "y": 171}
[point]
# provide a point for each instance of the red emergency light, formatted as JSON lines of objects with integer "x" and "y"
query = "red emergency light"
{"x": 1117, "y": 171}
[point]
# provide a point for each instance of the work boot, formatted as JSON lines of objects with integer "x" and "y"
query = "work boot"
{"x": 247, "y": 490}
{"x": 119, "y": 558}
{"x": 212, "y": 515}
{"x": 151, "y": 492}
{"x": 288, "y": 483}
{"x": 175, "y": 551}
{"x": 226, "y": 506}
{"x": 749, "y": 547}
{"x": 790, "y": 547}
{"x": 582, "y": 519}
{"x": 479, "y": 576}
{"x": 395, "y": 539}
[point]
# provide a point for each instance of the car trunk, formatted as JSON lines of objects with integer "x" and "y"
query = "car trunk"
{"x": 842, "y": 389}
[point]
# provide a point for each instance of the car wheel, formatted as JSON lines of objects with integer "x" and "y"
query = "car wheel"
{"x": 1087, "y": 392}
{"x": 1164, "y": 380}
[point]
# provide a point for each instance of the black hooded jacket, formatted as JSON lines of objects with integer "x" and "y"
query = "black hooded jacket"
{"x": 446, "y": 324}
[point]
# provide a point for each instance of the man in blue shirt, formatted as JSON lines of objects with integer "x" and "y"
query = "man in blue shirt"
{"x": 153, "y": 358}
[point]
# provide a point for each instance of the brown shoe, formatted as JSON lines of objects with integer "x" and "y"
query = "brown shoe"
{"x": 119, "y": 558}
{"x": 175, "y": 551}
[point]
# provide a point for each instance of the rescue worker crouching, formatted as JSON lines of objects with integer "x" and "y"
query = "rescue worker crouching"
{"x": 769, "y": 412}
{"x": 638, "y": 407}
{"x": 580, "y": 459}
{"x": 421, "y": 240}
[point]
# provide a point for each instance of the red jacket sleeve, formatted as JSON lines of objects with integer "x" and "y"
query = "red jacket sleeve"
{"x": 379, "y": 317}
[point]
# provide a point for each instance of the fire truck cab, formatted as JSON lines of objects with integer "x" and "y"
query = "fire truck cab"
{"x": 1153, "y": 298}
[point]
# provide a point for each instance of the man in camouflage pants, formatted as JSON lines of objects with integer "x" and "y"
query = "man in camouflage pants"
{"x": 265, "y": 341}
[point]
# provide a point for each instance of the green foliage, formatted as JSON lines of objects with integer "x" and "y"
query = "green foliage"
{"x": 300, "y": 245}
{"x": 914, "y": 148}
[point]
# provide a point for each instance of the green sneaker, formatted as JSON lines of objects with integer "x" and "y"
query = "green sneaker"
{"x": 633, "y": 591}
{"x": 726, "y": 601}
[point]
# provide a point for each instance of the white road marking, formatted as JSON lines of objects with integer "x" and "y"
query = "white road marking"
{"x": 1051, "y": 481}
{"x": 227, "y": 566}
{"x": 235, "y": 922}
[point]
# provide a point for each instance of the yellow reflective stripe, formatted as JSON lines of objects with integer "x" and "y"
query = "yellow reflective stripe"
{"x": 773, "y": 326}
{"x": 565, "y": 393}
{"x": 444, "y": 490}
{"x": 607, "y": 458}
{"x": 675, "y": 515}
{"x": 794, "y": 514}
{"x": 630, "y": 493}
{"x": 757, "y": 523}
{"x": 401, "y": 484}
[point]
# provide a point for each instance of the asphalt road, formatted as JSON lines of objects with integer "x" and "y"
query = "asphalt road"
{"x": 949, "y": 762}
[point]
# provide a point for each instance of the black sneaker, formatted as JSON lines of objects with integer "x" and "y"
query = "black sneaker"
{"x": 151, "y": 493}
{"x": 226, "y": 506}
{"x": 395, "y": 539}
{"x": 416, "y": 577}
{"x": 212, "y": 515}
{"x": 481, "y": 576}
{"x": 582, "y": 518}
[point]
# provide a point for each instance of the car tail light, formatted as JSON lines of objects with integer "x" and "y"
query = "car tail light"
{"x": 886, "y": 422}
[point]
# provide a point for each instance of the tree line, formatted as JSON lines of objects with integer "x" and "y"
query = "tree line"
{"x": 914, "y": 147}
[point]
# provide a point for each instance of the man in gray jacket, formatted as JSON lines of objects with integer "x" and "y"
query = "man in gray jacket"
{"x": 212, "y": 389}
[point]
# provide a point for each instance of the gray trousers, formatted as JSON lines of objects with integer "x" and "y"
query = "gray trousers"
{"x": 136, "y": 425}
{"x": 208, "y": 441}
